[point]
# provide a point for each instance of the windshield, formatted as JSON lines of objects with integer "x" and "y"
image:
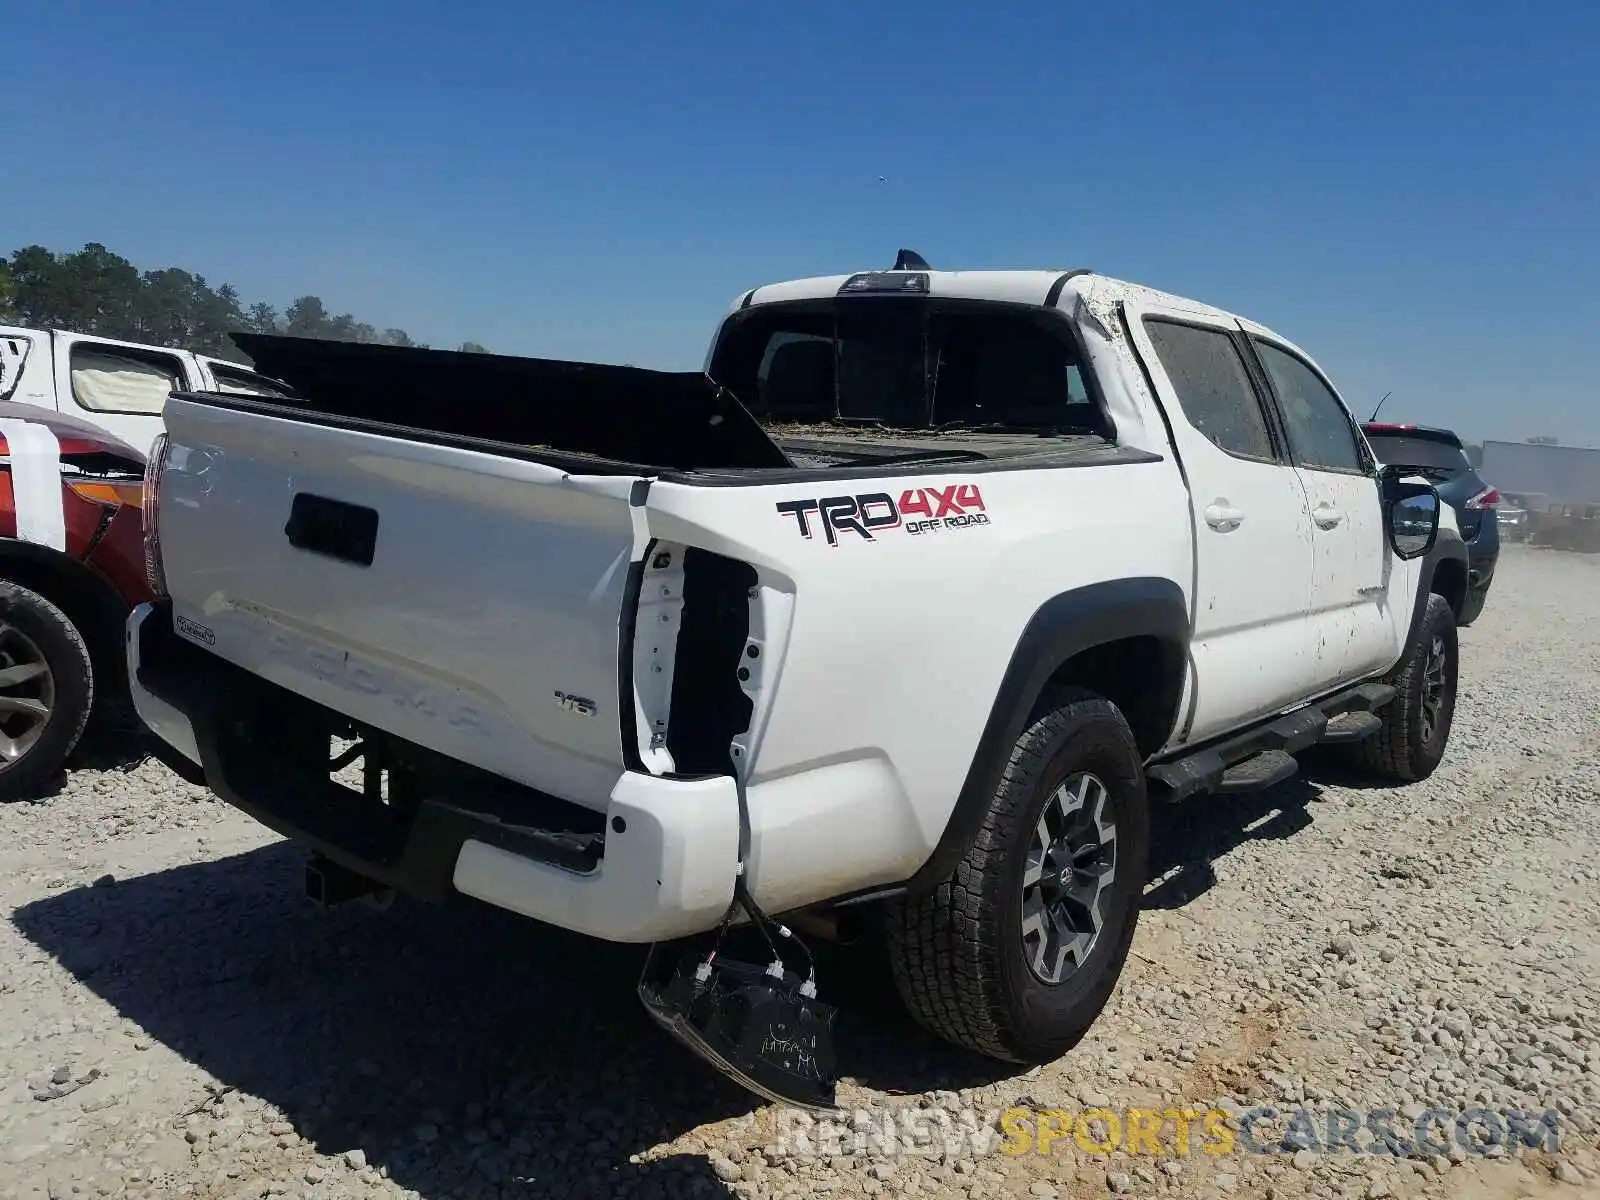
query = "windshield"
{"x": 1434, "y": 460}
{"x": 910, "y": 365}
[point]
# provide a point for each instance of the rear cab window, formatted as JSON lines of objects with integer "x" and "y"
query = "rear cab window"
{"x": 911, "y": 365}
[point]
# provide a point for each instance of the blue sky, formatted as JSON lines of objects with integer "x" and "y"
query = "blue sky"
{"x": 1410, "y": 191}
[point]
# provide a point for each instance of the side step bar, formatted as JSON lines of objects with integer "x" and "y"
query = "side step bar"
{"x": 1242, "y": 761}
{"x": 1257, "y": 774}
{"x": 1351, "y": 727}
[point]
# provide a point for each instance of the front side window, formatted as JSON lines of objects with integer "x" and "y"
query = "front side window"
{"x": 1213, "y": 387}
{"x": 108, "y": 379}
{"x": 1321, "y": 435}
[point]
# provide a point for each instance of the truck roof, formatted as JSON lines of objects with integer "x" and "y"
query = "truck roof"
{"x": 130, "y": 343}
{"x": 1058, "y": 287}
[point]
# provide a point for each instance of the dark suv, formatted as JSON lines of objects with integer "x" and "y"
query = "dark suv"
{"x": 1437, "y": 456}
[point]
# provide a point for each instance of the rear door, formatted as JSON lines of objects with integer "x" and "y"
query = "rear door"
{"x": 1253, "y": 647}
{"x": 1351, "y": 564}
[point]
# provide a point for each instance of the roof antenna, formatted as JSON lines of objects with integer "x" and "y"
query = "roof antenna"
{"x": 910, "y": 260}
{"x": 1374, "y": 415}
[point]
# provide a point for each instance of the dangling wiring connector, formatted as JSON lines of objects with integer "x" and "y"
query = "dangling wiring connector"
{"x": 763, "y": 1027}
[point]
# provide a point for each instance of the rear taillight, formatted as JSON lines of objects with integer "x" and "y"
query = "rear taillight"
{"x": 155, "y": 575}
{"x": 114, "y": 493}
{"x": 1488, "y": 498}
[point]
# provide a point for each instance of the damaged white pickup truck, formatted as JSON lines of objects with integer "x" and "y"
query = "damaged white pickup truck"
{"x": 912, "y": 602}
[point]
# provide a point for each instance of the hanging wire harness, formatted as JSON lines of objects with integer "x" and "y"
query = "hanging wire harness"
{"x": 765, "y": 1028}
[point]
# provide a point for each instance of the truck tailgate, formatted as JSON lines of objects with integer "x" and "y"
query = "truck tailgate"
{"x": 463, "y": 600}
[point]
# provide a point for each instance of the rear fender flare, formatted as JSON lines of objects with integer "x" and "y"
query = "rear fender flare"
{"x": 1061, "y": 628}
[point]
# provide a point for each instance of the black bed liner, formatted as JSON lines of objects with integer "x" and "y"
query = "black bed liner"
{"x": 677, "y": 420}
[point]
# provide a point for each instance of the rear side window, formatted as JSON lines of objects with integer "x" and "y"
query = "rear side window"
{"x": 1321, "y": 435}
{"x": 109, "y": 379}
{"x": 1213, "y": 387}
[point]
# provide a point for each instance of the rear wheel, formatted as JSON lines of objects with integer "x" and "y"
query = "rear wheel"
{"x": 46, "y": 690}
{"x": 1017, "y": 951}
{"x": 1416, "y": 723}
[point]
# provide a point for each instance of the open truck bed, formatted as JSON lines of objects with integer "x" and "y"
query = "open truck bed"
{"x": 596, "y": 418}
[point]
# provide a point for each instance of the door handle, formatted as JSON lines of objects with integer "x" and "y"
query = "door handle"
{"x": 1222, "y": 517}
{"x": 1326, "y": 516}
{"x": 348, "y": 532}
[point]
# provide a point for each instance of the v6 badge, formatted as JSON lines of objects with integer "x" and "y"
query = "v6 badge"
{"x": 578, "y": 706}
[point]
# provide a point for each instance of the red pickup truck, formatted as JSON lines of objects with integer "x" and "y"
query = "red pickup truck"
{"x": 71, "y": 568}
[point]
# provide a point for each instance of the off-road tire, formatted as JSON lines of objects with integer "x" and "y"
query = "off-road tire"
{"x": 957, "y": 952}
{"x": 1400, "y": 751}
{"x": 72, "y": 675}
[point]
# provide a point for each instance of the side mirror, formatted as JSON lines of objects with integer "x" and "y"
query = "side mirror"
{"x": 1412, "y": 510}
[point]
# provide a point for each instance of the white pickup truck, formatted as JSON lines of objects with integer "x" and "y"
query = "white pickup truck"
{"x": 915, "y": 599}
{"x": 119, "y": 386}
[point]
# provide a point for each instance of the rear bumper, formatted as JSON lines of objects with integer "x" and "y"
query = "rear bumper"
{"x": 667, "y": 849}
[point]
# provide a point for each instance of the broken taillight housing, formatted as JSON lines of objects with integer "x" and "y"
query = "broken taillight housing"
{"x": 155, "y": 575}
{"x": 1488, "y": 498}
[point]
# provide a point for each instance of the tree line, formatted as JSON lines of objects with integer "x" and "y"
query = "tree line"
{"x": 93, "y": 290}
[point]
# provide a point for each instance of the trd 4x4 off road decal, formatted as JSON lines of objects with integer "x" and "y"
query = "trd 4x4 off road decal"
{"x": 917, "y": 511}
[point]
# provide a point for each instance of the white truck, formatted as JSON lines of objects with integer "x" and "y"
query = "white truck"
{"x": 116, "y": 385}
{"x": 912, "y": 602}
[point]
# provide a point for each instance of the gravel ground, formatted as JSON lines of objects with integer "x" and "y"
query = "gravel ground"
{"x": 176, "y": 1020}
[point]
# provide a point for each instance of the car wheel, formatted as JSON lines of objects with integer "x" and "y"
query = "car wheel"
{"x": 46, "y": 691}
{"x": 1416, "y": 723}
{"x": 1017, "y": 951}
